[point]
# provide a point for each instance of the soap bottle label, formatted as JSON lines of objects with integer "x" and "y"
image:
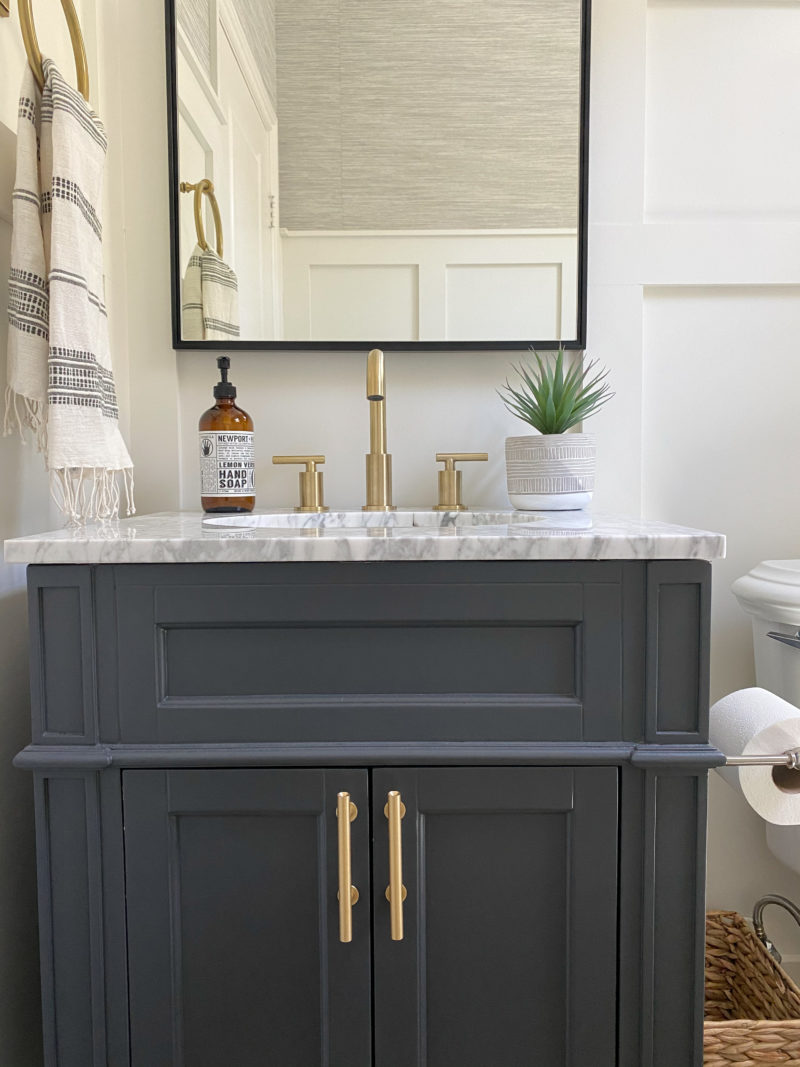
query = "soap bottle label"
{"x": 227, "y": 463}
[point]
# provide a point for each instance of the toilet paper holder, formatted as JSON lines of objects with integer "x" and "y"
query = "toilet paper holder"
{"x": 793, "y": 641}
{"x": 790, "y": 758}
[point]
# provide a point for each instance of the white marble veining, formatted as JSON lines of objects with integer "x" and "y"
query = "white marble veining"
{"x": 403, "y": 535}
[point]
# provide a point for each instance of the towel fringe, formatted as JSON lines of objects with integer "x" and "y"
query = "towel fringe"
{"x": 23, "y": 413}
{"x": 91, "y": 494}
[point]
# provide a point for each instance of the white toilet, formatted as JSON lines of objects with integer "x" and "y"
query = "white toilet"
{"x": 770, "y": 593}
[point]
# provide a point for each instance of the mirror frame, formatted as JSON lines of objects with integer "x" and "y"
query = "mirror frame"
{"x": 579, "y": 343}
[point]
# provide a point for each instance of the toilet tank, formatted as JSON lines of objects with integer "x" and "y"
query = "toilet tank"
{"x": 770, "y": 594}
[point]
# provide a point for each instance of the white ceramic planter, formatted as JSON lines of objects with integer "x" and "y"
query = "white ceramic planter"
{"x": 550, "y": 472}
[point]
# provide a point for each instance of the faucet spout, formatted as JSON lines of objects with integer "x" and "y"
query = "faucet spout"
{"x": 379, "y": 461}
{"x": 376, "y": 375}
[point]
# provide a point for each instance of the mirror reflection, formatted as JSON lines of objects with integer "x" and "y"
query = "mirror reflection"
{"x": 367, "y": 171}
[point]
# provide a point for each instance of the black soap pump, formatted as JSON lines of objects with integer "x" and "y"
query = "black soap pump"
{"x": 227, "y": 458}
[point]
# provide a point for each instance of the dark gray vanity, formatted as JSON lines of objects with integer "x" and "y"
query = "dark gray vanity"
{"x": 544, "y": 722}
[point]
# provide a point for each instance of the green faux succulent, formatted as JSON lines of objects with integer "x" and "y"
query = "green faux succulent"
{"x": 550, "y": 399}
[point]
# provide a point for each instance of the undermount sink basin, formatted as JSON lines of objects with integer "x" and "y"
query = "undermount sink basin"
{"x": 361, "y": 519}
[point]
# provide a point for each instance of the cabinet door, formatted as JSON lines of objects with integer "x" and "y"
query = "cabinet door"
{"x": 508, "y": 957}
{"x": 233, "y": 920}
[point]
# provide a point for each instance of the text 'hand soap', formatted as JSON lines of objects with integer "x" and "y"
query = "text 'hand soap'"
{"x": 227, "y": 459}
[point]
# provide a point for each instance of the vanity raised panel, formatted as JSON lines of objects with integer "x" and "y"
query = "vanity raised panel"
{"x": 435, "y": 652}
{"x": 233, "y": 935}
{"x": 509, "y": 953}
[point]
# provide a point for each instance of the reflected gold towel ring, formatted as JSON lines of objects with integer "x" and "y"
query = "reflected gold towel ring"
{"x": 32, "y": 44}
{"x": 207, "y": 187}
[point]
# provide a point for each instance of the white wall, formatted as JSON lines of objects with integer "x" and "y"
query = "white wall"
{"x": 694, "y": 290}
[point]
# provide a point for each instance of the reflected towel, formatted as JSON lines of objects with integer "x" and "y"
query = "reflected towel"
{"x": 210, "y": 298}
{"x": 60, "y": 384}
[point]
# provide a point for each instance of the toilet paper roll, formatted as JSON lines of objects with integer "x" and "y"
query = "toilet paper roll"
{"x": 756, "y": 722}
{"x": 784, "y": 843}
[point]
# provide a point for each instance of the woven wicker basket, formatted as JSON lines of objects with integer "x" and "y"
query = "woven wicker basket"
{"x": 752, "y": 1006}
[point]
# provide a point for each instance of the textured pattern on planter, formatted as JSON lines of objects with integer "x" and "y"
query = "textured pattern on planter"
{"x": 551, "y": 463}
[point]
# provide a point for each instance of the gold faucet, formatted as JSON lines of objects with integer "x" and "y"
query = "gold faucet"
{"x": 379, "y": 461}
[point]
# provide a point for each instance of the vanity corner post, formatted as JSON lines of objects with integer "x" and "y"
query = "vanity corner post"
{"x": 663, "y": 827}
{"x": 81, "y": 914}
{"x": 678, "y": 630}
{"x": 662, "y": 909}
{"x": 78, "y": 816}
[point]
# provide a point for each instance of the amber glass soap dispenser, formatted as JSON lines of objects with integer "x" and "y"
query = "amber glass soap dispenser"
{"x": 227, "y": 460}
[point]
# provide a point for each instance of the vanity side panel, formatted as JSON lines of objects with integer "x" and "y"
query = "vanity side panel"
{"x": 678, "y": 642}
{"x": 62, "y": 629}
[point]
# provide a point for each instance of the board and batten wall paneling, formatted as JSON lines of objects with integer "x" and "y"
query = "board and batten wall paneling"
{"x": 403, "y": 286}
{"x": 722, "y": 99}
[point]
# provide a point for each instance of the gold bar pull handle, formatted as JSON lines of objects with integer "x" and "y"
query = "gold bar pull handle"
{"x": 394, "y": 811}
{"x": 346, "y": 811}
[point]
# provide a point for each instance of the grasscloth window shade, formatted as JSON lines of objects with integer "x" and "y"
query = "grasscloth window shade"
{"x": 428, "y": 114}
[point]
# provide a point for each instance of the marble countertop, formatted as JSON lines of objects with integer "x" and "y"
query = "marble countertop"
{"x": 403, "y": 535}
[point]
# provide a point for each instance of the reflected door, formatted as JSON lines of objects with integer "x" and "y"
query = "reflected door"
{"x": 252, "y": 177}
{"x": 228, "y": 133}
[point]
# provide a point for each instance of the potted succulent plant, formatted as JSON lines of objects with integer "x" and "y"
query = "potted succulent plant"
{"x": 553, "y": 470}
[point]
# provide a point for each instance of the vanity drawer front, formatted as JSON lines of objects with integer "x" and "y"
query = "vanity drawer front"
{"x": 374, "y": 652}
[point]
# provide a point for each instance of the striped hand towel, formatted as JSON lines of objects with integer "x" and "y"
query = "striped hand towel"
{"x": 60, "y": 382}
{"x": 210, "y": 298}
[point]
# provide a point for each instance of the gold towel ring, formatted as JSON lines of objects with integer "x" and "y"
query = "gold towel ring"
{"x": 35, "y": 55}
{"x": 207, "y": 187}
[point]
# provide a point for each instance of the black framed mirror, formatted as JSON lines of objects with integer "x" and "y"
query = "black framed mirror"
{"x": 360, "y": 173}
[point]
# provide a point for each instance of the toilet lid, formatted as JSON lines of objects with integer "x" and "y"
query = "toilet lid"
{"x": 771, "y": 591}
